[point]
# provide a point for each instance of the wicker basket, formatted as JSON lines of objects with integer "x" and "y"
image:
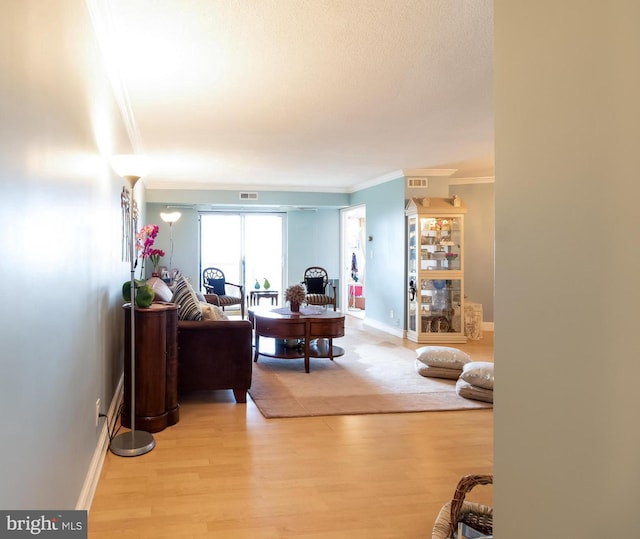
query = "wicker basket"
{"x": 458, "y": 510}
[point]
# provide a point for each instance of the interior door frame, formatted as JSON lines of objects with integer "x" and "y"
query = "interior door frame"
{"x": 345, "y": 258}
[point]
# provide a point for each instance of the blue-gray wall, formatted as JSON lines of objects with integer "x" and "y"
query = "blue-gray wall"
{"x": 313, "y": 239}
{"x": 386, "y": 290}
{"x": 61, "y": 330}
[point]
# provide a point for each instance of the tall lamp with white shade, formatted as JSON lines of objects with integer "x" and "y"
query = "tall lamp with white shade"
{"x": 170, "y": 217}
{"x": 134, "y": 442}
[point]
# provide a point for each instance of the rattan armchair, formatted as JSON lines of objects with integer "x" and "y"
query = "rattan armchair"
{"x": 478, "y": 516}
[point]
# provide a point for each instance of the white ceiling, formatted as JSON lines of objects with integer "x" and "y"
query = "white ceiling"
{"x": 302, "y": 94}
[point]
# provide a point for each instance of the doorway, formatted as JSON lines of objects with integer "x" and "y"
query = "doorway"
{"x": 353, "y": 272}
{"x": 247, "y": 247}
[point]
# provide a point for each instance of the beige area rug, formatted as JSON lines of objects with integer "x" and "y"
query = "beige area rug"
{"x": 376, "y": 375}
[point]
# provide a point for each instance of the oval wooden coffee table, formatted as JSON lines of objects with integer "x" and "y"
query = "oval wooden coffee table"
{"x": 315, "y": 326}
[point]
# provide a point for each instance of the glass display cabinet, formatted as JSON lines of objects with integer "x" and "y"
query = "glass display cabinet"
{"x": 435, "y": 270}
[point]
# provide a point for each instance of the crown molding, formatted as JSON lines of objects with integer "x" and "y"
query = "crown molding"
{"x": 149, "y": 183}
{"x": 404, "y": 173}
{"x": 468, "y": 181}
{"x": 429, "y": 172}
{"x": 195, "y": 186}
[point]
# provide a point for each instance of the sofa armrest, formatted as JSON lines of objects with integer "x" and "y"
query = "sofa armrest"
{"x": 214, "y": 354}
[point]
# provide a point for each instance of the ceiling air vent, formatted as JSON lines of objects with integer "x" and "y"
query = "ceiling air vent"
{"x": 248, "y": 196}
{"x": 418, "y": 182}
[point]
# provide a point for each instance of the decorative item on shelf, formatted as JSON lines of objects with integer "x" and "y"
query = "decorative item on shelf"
{"x": 295, "y": 295}
{"x": 451, "y": 258}
{"x": 257, "y": 285}
{"x": 134, "y": 442}
{"x": 266, "y": 285}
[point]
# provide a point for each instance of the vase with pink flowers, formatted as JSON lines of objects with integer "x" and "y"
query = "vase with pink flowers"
{"x": 144, "y": 245}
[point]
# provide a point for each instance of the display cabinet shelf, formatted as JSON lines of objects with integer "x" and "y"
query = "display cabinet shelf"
{"x": 435, "y": 270}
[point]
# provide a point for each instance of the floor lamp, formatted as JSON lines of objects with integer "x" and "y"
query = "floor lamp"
{"x": 170, "y": 218}
{"x": 135, "y": 442}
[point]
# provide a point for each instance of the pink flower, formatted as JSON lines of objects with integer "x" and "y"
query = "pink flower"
{"x": 145, "y": 239}
{"x": 144, "y": 243}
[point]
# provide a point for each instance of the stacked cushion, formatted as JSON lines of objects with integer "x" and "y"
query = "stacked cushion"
{"x": 212, "y": 312}
{"x": 476, "y": 381}
{"x": 441, "y": 361}
{"x": 185, "y": 296}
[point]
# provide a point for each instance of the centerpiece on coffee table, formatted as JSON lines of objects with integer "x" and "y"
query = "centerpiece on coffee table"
{"x": 295, "y": 295}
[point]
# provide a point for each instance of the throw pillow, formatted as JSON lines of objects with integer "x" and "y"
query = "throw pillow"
{"x": 466, "y": 390}
{"x": 217, "y": 285}
{"x": 436, "y": 372}
{"x": 162, "y": 290}
{"x": 184, "y": 295}
{"x": 443, "y": 356}
{"x": 479, "y": 374}
{"x": 212, "y": 312}
{"x": 315, "y": 285}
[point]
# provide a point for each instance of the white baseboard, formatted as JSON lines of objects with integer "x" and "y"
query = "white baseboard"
{"x": 95, "y": 467}
{"x": 393, "y": 330}
{"x": 397, "y": 332}
{"x": 487, "y": 326}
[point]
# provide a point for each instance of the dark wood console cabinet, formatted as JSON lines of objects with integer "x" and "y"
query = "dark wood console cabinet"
{"x": 156, "y": 364}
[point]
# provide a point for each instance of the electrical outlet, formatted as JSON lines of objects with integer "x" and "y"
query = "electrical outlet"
{"x": 97, "y": 411}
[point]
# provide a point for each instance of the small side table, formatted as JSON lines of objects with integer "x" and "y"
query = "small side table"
{"x": 156, "y": 363}
{"x": 256, "y": 295}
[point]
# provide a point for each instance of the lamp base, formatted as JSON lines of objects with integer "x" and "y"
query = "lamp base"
{"x": 132, "y": 444}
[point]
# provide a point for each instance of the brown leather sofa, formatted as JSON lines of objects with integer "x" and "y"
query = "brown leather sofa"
{"x": 212, "y": 354}
{"x": 215, "y": 354}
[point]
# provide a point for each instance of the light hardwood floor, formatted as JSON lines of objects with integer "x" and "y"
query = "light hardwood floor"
{"x": 224, "y": 471}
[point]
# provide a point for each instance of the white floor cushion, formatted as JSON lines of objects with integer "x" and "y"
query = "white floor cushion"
{"x": 479, "y": 374}
{"x": 468, "y": 391}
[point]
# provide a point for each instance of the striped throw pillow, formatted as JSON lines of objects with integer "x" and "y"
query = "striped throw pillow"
{"x": 184, "y": 295}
